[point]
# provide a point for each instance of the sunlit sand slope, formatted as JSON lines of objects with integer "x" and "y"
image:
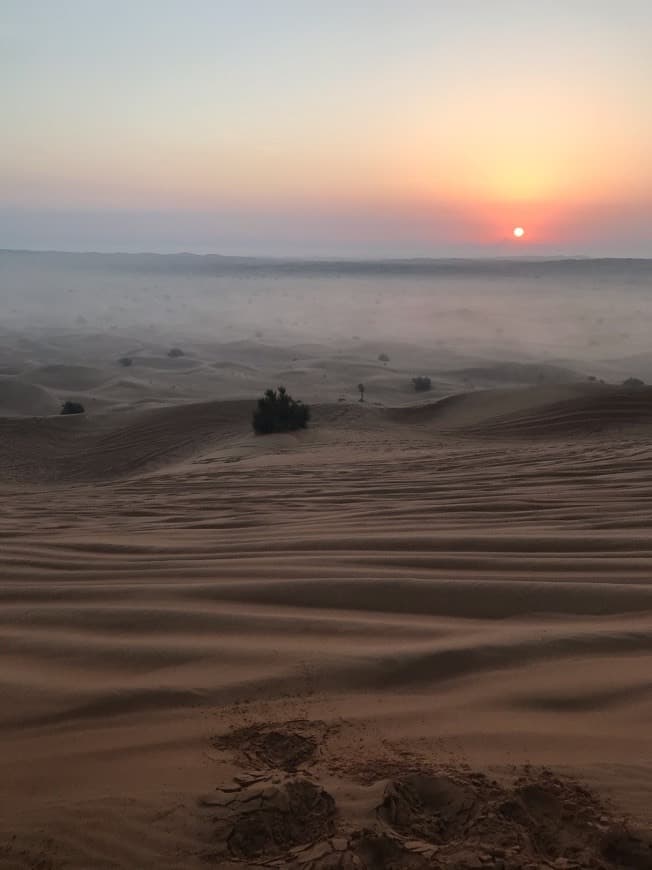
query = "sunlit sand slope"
{"x": 376, "y": 601}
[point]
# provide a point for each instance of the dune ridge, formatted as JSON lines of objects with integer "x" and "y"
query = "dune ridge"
{"x": 406, "y": 600}
{"x": 78, "y": 448}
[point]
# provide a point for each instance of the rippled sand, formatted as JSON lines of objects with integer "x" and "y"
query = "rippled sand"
{"x": 393, "y": 593}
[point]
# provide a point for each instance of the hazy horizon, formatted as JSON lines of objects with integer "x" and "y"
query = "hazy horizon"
{"x": 134, "y": 233}
{"x": 473, "y": 255}
{"x": 502, "y": 309}
{"x": 482, "y": 256}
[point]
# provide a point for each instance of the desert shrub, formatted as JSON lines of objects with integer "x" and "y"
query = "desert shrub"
{"x": 422, "y": 383}
{"x": 175, "y": 352}
{"x": 279, "y": 412}
{"x": 125, "y": 361}
{"x": 383, "y": 357}
{"x": 361, "y": 390}
{"x": 72, "y": 408}
{"x": 633, "y": 382}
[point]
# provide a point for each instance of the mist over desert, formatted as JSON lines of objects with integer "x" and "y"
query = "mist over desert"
{"x": 325, "y": 435}
{"x": 417, "y": 633}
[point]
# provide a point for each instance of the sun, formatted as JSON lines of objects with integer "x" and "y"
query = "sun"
{"x": 518, "y": 232}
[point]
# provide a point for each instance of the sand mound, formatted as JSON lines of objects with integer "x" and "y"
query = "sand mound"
{"x": 598, "y": 411}
{"x": 226, "y": 365}
{"x": 67, "y": 378}
{"x": 469, "y": 409}
{"x": 110, "y": 446}
{"x": 20, "y": 399}
{"x": 166, "y": 363}
{"x": 515, "y": 373}
{"x": 87, "y": 448}
{"x": 546, "y": 411}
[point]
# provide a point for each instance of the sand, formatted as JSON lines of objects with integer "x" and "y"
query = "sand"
{"x": 418, "y": 634}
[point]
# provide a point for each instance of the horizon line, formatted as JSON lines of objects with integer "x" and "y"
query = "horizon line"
{"x": 335, "y": 258}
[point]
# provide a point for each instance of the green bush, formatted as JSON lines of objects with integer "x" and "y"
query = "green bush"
{"x": 422, "y": 383}
{"x": 279, "y": 412}
{"x": 72, "y": 408}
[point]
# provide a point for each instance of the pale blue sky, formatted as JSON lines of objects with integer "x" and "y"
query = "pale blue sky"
{"x": 417, "y": 126}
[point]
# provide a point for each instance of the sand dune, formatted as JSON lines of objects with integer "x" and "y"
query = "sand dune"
{"x": 166, "y": 363}
{"x": 67, "y": 377}
{"x": 477, "y": 408}
{"x": 18, "y": 399}
{"x": 425, "y": 602}
{"x": 107, "y": 446}
{"x": 82, "y": 447}
{"x": 595, "y": 411}
{"x": 366, "y": 644}
{"x": 516, "y": 373}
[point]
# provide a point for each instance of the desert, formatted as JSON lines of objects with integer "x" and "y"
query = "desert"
{"x": 417, "y": 633}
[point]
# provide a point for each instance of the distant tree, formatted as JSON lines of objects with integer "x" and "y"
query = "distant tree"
{"x": 279, "y": 412}
{"x": 422, "y": 384}
{"x": 633, "y": 382}
{"x": 125, "y": 361}
{"x": 175, "y": 352}
{"x": 361, "y": 389}
{"x": 383, "y": 358}
{"x": 72, "y": 408}
{"x": 591, "y": 378}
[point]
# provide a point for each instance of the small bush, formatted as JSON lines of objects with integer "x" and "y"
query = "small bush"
{"x": 422, "y": 383}
{"x": 175, "y": 352}
{"x": 72, "y": 408}
{"x": 633, "y": 382}
{"x": 383, "y": 358}
{"x": 279, "y": 412}
{"x": 125, "y": 361}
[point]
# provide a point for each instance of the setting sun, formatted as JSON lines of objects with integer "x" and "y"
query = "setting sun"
{"x": 519, "y": 232}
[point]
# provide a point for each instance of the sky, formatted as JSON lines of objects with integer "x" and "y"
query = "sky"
{"x": 352, "y": 127}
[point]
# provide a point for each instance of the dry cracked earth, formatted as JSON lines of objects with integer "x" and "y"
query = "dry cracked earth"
{"x": 277, "y": 813}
